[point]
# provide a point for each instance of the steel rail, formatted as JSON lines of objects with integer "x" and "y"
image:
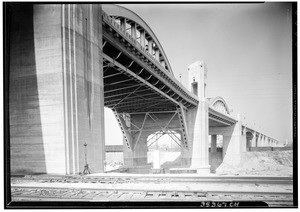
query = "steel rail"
{"x": 160, "y": 178}
{"x": 96, "y": 194}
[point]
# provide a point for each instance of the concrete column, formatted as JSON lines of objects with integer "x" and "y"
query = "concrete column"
{"x": 253, "y": 142}
{"x": 262, "y": 140}
{"x": 259, "y": 140}
{"x": 243, "y": 136}
{"x": 213, "y": 144}
{"x": 157, "y": 54}
{"x": 83, "y": 85}
{"x": 123, "y": 24}
{"x": 133, "y": 31}
{"x": 55, "y": 72}
{"x": 143, "y": 38}
{"x": 214, "y": 161}
{"x": 197, "y": 119}
{"x": 150, "y": 47}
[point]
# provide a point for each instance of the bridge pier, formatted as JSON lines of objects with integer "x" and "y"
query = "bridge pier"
{"x": 197, "y": 120}
{"x": 56, "y": 88}
{"x": 234, "y": 141}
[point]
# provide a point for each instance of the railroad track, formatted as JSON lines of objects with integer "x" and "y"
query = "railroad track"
{"x": 92, "y": 195}
{"x": 132, "y": 188}
{"x": 156, "y": 178}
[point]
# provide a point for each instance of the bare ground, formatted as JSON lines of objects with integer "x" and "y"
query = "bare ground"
{"x": 267, "y": 163}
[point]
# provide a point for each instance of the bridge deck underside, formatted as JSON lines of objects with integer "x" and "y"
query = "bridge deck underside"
{"x": 125, "y": 93}
{"x": 213, "y": 123}
{"x": 138, "y": 79}
{"x": 219, "y": 119}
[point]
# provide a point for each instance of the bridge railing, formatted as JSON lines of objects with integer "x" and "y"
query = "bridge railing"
{"x": 164, "y": 73}
{"x": 132, "y": 40}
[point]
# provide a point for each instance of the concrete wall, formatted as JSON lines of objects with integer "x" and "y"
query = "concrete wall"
{"x": 36, "y": 90}
{"x": 55, "y": 78}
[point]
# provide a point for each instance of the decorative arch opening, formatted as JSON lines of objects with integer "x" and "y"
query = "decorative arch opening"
{"x": 219, "y": 104}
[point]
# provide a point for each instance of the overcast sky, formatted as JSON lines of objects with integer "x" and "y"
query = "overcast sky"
{"x": 248, "y": 52}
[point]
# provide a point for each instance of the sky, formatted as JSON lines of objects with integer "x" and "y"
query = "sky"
{"x": 248, "y": 52}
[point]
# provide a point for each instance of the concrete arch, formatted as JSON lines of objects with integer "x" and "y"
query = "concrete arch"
{"x": 115, "y": 10}
{"x": 249, "y": 138}
{"x": 219, "y": 100}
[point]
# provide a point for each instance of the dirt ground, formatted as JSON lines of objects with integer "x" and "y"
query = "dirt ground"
{"x": 267, "y": 163}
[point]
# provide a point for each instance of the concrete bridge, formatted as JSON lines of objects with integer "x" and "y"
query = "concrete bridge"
{"x": 69, "y": 61}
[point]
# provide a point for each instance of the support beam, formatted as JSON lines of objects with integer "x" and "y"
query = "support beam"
{"x": 138, "y": 78}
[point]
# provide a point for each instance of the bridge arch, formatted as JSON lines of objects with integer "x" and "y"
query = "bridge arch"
{"x": 119, "y": 13}
{"x": 219, "y": 104}
{"x": 249, "y": 138}
{"x": 168, "y": 144}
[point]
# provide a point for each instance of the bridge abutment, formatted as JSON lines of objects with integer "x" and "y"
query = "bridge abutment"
{"x": 56, "y": 88}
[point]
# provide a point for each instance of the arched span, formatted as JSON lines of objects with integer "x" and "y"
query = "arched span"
{"x": 219, "y": 104}
{"x": 118, "y": 11}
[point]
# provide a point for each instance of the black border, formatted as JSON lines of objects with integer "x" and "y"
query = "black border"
{"x": 130, "y": 205}
{"x": 295, "y": 102}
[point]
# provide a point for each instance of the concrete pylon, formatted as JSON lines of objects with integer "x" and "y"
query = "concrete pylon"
{"x": 56, "y": 88}
{"x": 197, "y": 119}
{"x": 234, "y": 143}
